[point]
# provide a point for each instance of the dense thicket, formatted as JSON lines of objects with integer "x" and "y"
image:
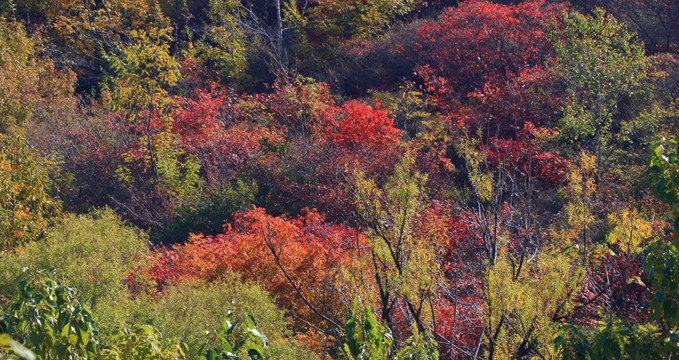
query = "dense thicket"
{"x": 383, "y": 179}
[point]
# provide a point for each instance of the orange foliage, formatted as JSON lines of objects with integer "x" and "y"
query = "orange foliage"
{"x": 311, "y": 252}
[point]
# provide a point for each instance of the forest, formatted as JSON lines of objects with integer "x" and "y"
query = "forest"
{"x": 339, "y": 179}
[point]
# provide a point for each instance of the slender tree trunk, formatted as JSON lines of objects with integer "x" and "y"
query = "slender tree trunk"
{"x": 279, "y": 37}
{"x": 152, "y": 158}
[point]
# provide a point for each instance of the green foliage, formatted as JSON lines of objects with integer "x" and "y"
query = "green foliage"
{"x": 408, "y": 107}
{"x": 210, "y": 304}
{"x": 94, "y": 253}
{"x": 144, "y": 73}
{"x": 662, "y": 257}
{"x": 338, "y": 20}
{"x": 419, "y": 347}
{"x": 144, "y": 70}
{"x": 368, "y": 339}
{"x": 601, "y": 63}
{"x": 144, "y": 342}
{"x": 662, "y": 260}
{"x": 616, "y": 340}
{"x": 664, "y": 171}
{"x": 229, "y": 347}
{"x": 47, "y": 318}
{"x": 224, "y": 46}
{"x": 210, "y": 210}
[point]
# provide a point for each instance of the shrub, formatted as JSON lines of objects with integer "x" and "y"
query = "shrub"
{"x": 47, "y": 317}
{"x": 191, "y": 311}
{"x": 144, "y": 342}
{"x": 93, "y": 253}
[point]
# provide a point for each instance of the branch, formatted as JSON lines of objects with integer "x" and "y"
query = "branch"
{"x": 269, "y": 244}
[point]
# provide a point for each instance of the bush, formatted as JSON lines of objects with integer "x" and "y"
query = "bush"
{"x": 47, "y": 317}
{"x": 144, "y": 342}
{"x": 93, "y": 253}
{"x": 192, "y": 311}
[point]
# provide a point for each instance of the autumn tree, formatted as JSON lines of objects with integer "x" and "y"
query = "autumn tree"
{"x": 299, "y": 260}
{"x": 333, "y": 21}
{"x": 519, "y": 309}
{"x": 404, "y": 256}
{"x": 654, "y": 21}
{"x": 357, "y": 125}
{"x": 600, "y": 63}
{"x": 156, "y": 165}
{"x": 653, "y": 339}
{"x": 81, "y": 33}
{"x": 29, "y": 86}
{"x": 483, "y": 42}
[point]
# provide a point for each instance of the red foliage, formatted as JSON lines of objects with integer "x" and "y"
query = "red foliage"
{"x": 458, "y": 319}
{"x": 480, "y": 41}
{"x": 524, "y": 156}
{"x": 607, "y": 288}
{"x": 209, "y": 128}
{"x": 358, "y": 125}
{"x": 459, "y": 307}
{"x": 91, "y": 159}
{"x": 313, "y": 168}
{"x": 528, "y": 97}
{"x": 195, "y": 75}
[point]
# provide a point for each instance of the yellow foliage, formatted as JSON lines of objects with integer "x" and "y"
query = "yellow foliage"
{"x": 579, "y": 192}
{"x": 405, "y": 238}
{"x": 629, "y": 230}
{"x": 582, "y": 177}
{"x": 481, "y": 181}
{"x": 522, "y": 307}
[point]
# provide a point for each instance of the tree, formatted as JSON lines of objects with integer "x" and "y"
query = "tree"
{"x": 157, "y": 171}
{"x": 330, "y": 22}
{"x": 600, "y": 63}
{"x": 209, "y": 127}
{"x": 144, "y": 72}
{"x": 367, "y": 339}
{"x": 144, "y": 342}
{"x": 299, "y": 260}
{"x": 482, "y": 42}
{"x": 657, "y": 339}
{"x": 405, "y": 247}
{"x": 230, "y": 347}
{"x": 29, "y": 87}
{"x": 243, "y": 32}
{"x": 357, "y": 125}
{"x": 654, "y": 21}
{"x": 523, "y": 305}
{"x": 25, "y": 206}
{"x": 503, "y": 242}
{"x": 81, "y": 33}
{"x": 93, "y": 253}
